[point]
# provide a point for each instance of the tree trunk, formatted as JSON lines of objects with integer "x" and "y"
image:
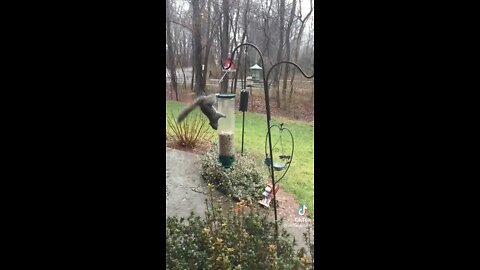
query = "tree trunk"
{"x": 171, "y": 90}
{"x": 197, "y": 47}
{"x": 235, "y": 30}
{"x": 280, "y": 50}
{"x": 290, "y": 101}
{"x": 177, "y": 58}
{"x": 207, "y": 46}
{"x": 170, "y": 57}
{"x": 193, "y": 69}
{"x": 225, "y": 41}
{"x": 234, "y": 44}
{"x": 266, "y": 33}
{"x": 181, "y": 61}
{"x": 184, "y": 78}
{"x": 287, "y": 53}
{"x": 244, "y": 35}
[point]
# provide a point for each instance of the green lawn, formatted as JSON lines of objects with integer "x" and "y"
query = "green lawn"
{"x": 299, "y": 179}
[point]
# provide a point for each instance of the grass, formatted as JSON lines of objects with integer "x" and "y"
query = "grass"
{"x": 299, "y": 179}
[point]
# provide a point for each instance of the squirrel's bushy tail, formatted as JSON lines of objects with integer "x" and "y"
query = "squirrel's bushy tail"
{"x": 187, "y": 110}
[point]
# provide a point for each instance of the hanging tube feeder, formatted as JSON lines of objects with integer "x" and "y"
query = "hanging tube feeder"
{"x": 226, "y": 129}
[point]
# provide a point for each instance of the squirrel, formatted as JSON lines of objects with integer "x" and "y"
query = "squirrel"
{"x": 206, "y": 106}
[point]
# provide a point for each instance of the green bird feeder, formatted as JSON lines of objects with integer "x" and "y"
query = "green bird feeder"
{"x": 256, "y": 71}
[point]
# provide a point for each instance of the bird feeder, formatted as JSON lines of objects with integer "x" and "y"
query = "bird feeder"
{"x": 226, "y": 129}
{"x": 256, "y": 71}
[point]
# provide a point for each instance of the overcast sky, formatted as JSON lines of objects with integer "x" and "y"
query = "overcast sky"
{"x": 306, "y": 7}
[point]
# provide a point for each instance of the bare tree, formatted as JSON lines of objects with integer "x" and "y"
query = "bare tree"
{"x": 193, "y": 67}
{"x": 266, "y": 31}
{"x": 280, "y": 50}
{"x": 235, "y": 27}
{"x": 205, "y": 31}
{"x": 180, "y": 55}
{"x": 170, "y": 55}
{"x": 245, "y": 21}
{"x": 244, "y": 35}
{"x": 224, "y": 40}
{"x": 297, "y": 45}
{"x": 207, "y": 45}
{"x": 287, "y": 53}
{"x": 209, "y": 37}
{"x": 197, "y": 46}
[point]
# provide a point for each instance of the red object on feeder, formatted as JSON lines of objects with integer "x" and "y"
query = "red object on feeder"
{"x": 228, "y": 61}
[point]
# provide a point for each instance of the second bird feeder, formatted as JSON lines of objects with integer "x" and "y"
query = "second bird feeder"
{"x": 226, "y": 129}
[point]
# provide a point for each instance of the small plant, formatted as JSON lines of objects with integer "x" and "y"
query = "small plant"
{"x": 236, "y": 239}
{"x": 193, "y": 131}
{"x": 242, "y": 181}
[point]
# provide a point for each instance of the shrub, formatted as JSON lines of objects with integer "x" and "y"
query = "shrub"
{"x": 242, "y": 181}
{"x": 193, "y": 131}
{"x": 238, "y": 239}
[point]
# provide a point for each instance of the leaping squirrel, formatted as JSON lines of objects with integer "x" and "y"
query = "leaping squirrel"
{"x": 206, "y": 106}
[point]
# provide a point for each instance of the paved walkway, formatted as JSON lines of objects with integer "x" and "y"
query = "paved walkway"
{"x": 187, "y": 191}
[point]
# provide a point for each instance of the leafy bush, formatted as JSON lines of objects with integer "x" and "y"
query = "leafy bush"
{"x": 242, "y": 181}
{"x": 193, "y": 130}
{"x": 237, "y": 239}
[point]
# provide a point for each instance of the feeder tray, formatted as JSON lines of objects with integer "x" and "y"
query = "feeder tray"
{"x": 277, "y": 166}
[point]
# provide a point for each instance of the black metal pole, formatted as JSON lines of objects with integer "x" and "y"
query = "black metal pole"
{"x": 267, "y": 105}
{"x": 245, "y": 70}
{"x": 244, "y": 88}
{"x": 267, "y": 102}
{"x": 243, "y": 124}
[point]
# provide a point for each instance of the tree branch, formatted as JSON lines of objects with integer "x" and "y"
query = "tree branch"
{"x": 181, "y": 24}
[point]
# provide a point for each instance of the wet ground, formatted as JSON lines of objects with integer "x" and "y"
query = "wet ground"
{"x": 187, "y": 192}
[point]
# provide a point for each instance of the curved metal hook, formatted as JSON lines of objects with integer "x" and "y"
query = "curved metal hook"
{"x": 293, "y": 63}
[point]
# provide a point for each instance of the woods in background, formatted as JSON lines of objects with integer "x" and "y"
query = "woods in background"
{"x": 200, "y": 34}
